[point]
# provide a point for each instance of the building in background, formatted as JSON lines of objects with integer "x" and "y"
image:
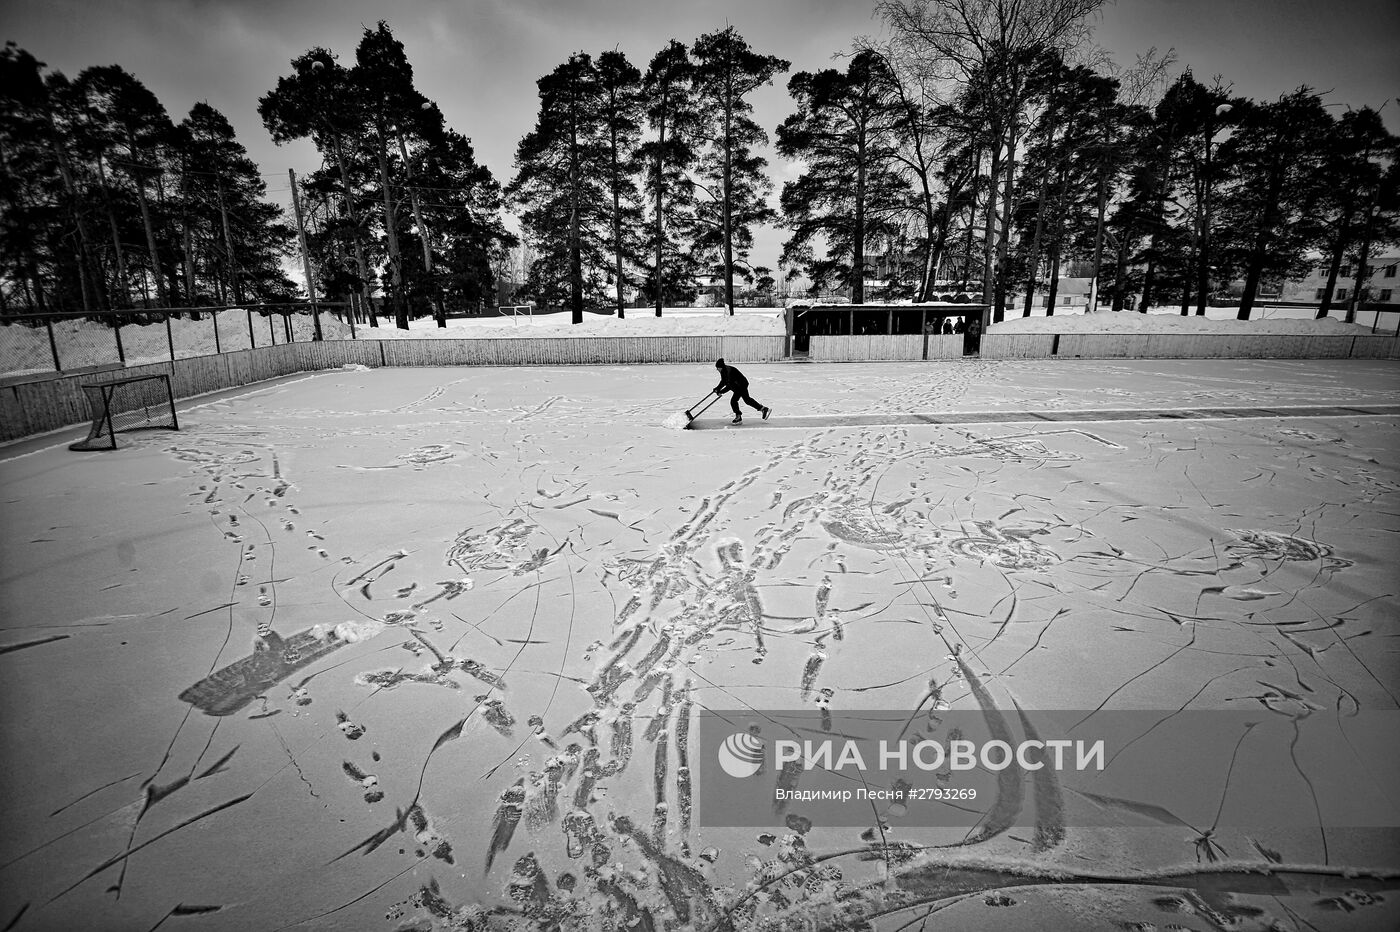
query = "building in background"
{"x": 1382, "y": 284}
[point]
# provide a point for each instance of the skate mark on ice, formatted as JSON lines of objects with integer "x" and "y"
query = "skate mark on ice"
{"x": 185, "y": 909}
{"x": 427, "y": 836}
{"x": 130, "y": 850}
{"x": 88, "y": 794}
{"x": 659, "y": 781}
{"x": 1045, "y": 787}
{"x": 504, "y": 822}
{"x": 218, "y": 765}
{"x": 682, "y": 885}
{"x": 1010, "y": 788}
{"x": 9, "y": 648}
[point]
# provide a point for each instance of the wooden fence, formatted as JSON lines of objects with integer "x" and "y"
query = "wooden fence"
{"x": 34, "y": 405}
{"x": 1187, "y": 346}
{"x": 37, "y": 404}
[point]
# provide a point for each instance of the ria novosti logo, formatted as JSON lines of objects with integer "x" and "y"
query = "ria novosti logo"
{"x": 741, "y": 755}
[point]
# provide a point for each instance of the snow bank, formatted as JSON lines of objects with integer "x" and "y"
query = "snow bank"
{"x": 1162, "y": 321}
{"x": 82, "y": 342}
{"x": 640, "y": 322}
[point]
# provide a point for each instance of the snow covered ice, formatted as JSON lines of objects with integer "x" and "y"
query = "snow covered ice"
{"x": 405, "y": 648}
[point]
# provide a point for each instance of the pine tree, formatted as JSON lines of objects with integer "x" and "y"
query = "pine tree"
{"x": 383, "y": 80}
{"x": 731, "y": 174}
{"x": 560, "y": 185}
{"x": 139, "y": 124}
{"x": 318, "y": 100}
{"x": 242, "y": 237}
{"x": 460, "y": 203}
{"x": 1353, "y": 168}
{"x": 620, "y": 106}
{"x": 1270, "y": 209}
{"x": 668, "y": 97}
{"x": 37, "y": 204}
{"x": 849, "y": 194}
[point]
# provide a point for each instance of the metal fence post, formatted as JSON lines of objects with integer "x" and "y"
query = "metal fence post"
{"x": 251, "y": 341}
{"x": 53, "y": 344}
{"x": 117, "y": 331}
{"x": 170, "y": 336}
{"x": 215, "y": 317}
{"x": 271, "y": 333}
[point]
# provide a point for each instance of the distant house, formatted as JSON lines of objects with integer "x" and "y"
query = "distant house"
{"x": 1382, "y": 283}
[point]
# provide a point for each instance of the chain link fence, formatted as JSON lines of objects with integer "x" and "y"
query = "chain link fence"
{"x": 34, "y": 345}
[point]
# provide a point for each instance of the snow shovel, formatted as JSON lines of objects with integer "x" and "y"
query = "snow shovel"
{"x": 689, "y": 417}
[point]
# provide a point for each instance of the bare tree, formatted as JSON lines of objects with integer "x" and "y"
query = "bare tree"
{"x": 988, "y": 48}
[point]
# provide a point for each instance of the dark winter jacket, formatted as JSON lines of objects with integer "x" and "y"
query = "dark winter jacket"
{"x": 731, "y": 379}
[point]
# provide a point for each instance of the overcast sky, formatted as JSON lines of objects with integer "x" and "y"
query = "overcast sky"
{"x": 479, "y": 59}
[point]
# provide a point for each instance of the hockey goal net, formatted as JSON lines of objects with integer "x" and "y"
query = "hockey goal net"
{"x": 138, "y": 403}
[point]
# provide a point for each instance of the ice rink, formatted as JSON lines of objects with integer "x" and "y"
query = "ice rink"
{"x": 422, "y": 648}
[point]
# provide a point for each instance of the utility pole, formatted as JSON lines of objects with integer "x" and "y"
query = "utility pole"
{"x": 305, "y": 256}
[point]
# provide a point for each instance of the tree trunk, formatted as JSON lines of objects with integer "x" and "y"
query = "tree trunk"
{"x": 934, "y": 255}
{"x": 1034, "y": 260}
{"x": 187, "y": 239}
{"x": 440, "y": 314}
{"x": 88, "y": 281}
{"x": 123, "y": 284}
{"x": 1362, "y": 256}
{"x": 727, "y": 208}
{"x": 161, "y": 294}
{"x": 1004, "y": 238}
{"x": 1147, "y": 283}
{"x": 933, "y": 250}
{"x": 989, "y": 222}
{"x": 1098, "y": 245}
{"x": 1186, "y": 288}
{"x": 1203, "y": 243}
{"x": 616, "y": 220}
{"x": 660, "y": 225}
{"x": 575, "y": 226}
{"x": 1121, "y": 261}
{"x": 391, "y": 228}
{"x": 858, "y": 233}
{"x": 1334, "y": 264}
{"x": 234, "y": 284}
{"x": 1053, "y": 291}
{"x": 361, "y": 266}
{"x": 1255, "y": 269}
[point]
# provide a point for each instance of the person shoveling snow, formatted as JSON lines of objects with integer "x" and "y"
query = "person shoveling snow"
{"x": 732, "y": 380}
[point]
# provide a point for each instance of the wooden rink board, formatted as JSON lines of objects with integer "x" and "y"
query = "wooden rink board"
{"x": 50, "y": 403}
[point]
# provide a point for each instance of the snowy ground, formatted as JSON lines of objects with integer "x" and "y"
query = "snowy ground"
{"x": 318, "y": 659}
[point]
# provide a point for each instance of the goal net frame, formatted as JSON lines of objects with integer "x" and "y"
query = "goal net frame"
{"x": 143, "y": 402}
